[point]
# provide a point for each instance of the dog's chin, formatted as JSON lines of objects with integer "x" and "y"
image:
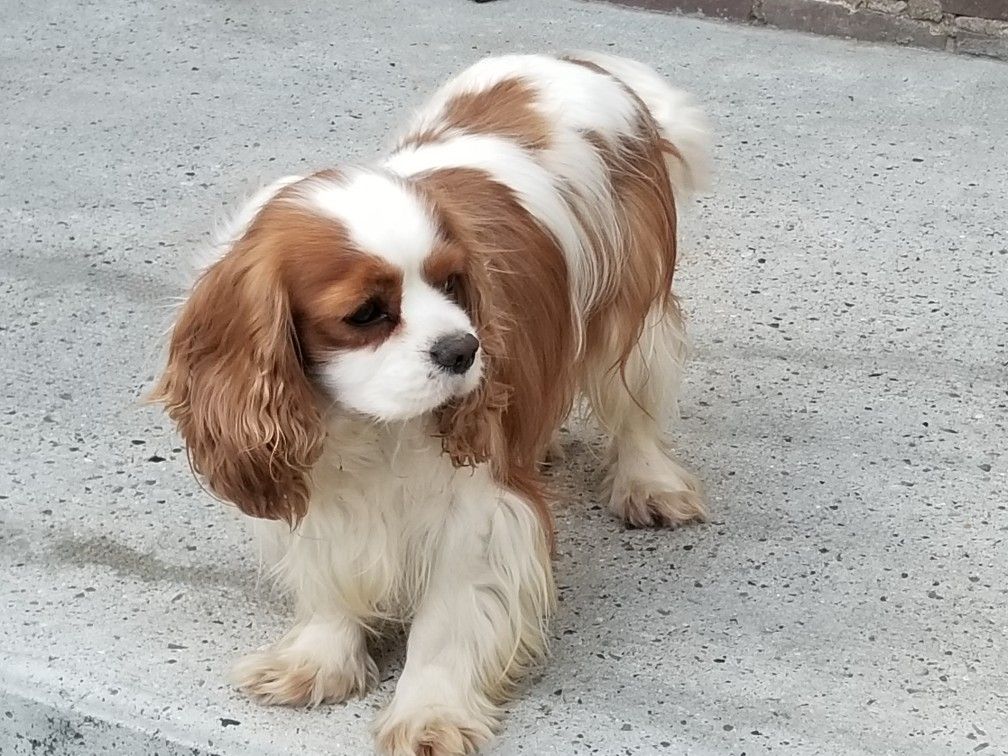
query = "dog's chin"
{"x": 401, "y": 409}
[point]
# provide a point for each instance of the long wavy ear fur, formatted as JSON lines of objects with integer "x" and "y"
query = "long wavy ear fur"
{"x": 515, "y": 290}
{"x": 235, "y": 385}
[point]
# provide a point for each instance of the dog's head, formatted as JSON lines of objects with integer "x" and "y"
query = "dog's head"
{"x": 344, "y": 292}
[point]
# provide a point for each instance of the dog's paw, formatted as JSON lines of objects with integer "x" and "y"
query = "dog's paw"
{"x": 646, "y": 509}
{"x": 653, "y": 497}
{"x": 288, "y": 677}
{"x": 431, "y": 732}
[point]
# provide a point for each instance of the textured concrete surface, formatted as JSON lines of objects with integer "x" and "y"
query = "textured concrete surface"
{"x": 846, "y": 405}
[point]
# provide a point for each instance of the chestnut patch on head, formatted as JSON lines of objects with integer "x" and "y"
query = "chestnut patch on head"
{"x": 341, "y": 297}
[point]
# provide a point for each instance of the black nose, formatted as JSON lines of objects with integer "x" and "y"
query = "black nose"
{"x": 455, "y": 353}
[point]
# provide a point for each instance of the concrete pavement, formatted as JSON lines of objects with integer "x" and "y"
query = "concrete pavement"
{"x": 846, "y": 282}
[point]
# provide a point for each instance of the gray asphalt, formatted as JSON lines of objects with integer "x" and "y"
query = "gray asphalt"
{"x": 846, "y": 404}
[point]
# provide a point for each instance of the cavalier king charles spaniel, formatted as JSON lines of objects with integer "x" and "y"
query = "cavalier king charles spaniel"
{"x": 375, "y": 360}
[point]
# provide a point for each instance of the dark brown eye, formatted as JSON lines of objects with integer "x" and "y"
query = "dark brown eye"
{"x": 368, "y": 313}
{"x": 450, "y": 286}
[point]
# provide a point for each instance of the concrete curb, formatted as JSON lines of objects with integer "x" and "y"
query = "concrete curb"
{"x": 972, "y": 27}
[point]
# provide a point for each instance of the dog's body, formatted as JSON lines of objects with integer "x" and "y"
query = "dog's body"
{"x": 381, "y": 357}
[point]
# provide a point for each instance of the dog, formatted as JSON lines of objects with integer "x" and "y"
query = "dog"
{"x": 374, "y": 361}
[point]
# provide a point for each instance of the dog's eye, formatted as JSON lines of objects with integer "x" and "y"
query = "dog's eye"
{"x": 368, "y": 313}
{"x": 450, "y": 286}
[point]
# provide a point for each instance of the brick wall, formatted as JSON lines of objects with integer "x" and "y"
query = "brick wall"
{"x": 974, "y": 27}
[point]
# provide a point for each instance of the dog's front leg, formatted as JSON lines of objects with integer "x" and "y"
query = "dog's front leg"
{"x": 480, "y": 623}
{"x": 323, "y": 659}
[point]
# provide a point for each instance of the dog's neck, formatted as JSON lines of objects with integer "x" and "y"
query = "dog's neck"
{"x": 354, "y": 442}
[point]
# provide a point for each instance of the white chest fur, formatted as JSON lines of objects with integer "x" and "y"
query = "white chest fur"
{"x": 385, "y": 503}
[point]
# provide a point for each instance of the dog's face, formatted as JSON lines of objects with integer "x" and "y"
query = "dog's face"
{"x": 382, "y": 314}
{"x": 344, "y": 293}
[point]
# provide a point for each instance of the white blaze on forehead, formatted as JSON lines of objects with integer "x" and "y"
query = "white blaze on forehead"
{"x": 382, "y": 216}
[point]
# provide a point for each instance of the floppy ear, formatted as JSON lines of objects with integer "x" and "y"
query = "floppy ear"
{"x": 514, "y": 275}
{"x": 472, "y": 427}
{"x": 236, "y": 387}
{"x": 527, "y": 385}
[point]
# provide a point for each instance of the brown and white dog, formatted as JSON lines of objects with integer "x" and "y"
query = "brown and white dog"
{"x": 377, "y": 358}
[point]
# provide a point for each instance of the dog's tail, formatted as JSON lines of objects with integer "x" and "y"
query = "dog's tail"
{"x": 680, "y": 120}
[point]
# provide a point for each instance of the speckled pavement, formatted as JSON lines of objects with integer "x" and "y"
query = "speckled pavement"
{"x": 846, "y": 282}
